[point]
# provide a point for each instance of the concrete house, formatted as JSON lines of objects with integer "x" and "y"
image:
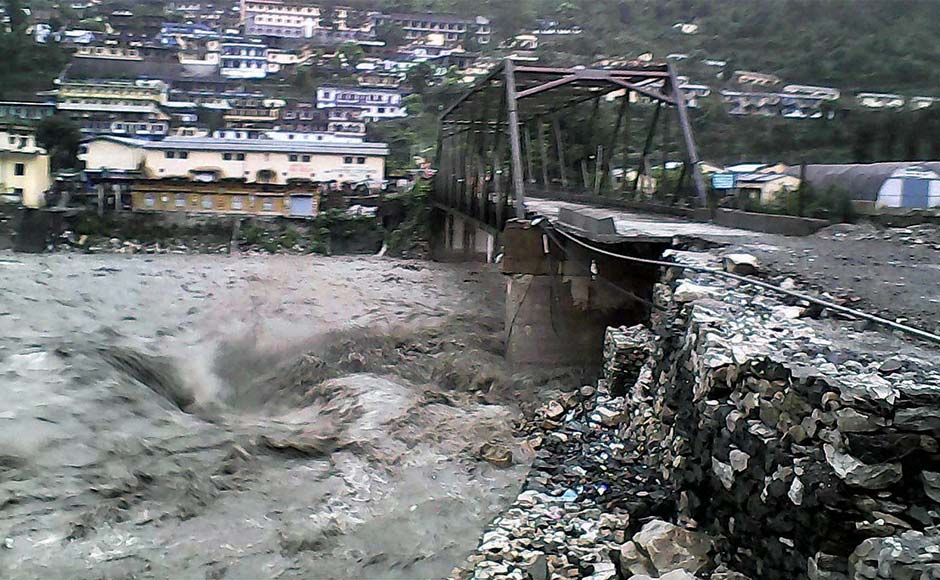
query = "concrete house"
{"x": 375, "y": 103}
{"x": 211, "y": 159}
{"x": 24, "y": 166}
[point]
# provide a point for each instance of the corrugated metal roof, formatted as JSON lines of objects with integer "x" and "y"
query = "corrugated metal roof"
{"x": 861, "y": 181}
{"x": 759, "y": 177}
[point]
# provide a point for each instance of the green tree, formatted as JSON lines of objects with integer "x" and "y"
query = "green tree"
{"x": 14, "y": 10}
{"x": 352, "y": 52}
{"x": 393, "y": 36}
{"x": 61, "y": 137}
{"x": 419, "y": 77}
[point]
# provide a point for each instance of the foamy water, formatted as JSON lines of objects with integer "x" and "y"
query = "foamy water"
{"x": 225, "y": 417}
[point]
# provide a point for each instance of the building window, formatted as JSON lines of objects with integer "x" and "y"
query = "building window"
{"x": 227, "y": 156}
{"x": 347, "y": 160}
{"x": 180, "y": 200}
{"x": 18, "y": 192}
{"x": 267, "y": 205}
{"x": 237, "y": 202}
{"x": 292, "y": 158}
{"x": 184, "y": 155}
{"x": 194, "y": 201}
{"x": 360, "y": 160}
{"x": 305, "y": 159}
{"x": 170, "y": 154}
{"x": 240, "y": 156}
{"x": 149, "y": 200}
{"x": 207, "y": 202}
{"x": 19, "y": 169}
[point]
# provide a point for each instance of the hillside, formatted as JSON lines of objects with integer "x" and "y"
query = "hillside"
{"x": 875, "y": 45}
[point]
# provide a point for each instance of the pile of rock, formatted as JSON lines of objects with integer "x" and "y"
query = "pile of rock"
{"x": 592, "y": 502}
{"x": 575, "y": 510}
{"x": 626, "y": 350}
{"x": 791, "y": 447}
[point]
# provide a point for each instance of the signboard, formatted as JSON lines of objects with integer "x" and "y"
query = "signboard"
{"x": 724, "y": 180}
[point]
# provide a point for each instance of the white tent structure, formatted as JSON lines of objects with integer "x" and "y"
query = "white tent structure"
{"x": 910, "y": 187}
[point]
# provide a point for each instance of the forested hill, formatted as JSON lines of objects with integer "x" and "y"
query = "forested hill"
{"x": 869, "y": 45}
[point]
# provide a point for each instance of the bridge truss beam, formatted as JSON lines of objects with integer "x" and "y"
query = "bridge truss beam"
{"x": 475, "y": 177}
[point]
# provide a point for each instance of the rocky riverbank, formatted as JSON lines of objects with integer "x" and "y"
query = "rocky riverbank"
{"x": 760, "y": 439}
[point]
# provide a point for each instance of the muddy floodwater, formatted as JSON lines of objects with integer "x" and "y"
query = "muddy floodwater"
{"x": 249, "y": 417}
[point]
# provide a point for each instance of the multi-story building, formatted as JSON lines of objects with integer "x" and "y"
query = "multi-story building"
{"x": 880, "y": 100}
{"x": 280, "y": 18}
{"x": 116, "y": 107}
{"x": 298, "y": 19}
{"x": 252, "y": 112}
{"x": 26, "y": 110}
{"x": 297, "y": 199}
{"x": 249, "y": 160}
{"x": 378, "y": 79}
{"x": 695, "y": 93}
{"x": 243, "y": 59}
{"x": 743, "y": 103}
{"x": 125, "y": 60}
{"x": 452, "y": 30}
{"x": 801, "y": 106}
{"x": 318, "y": 137}
{"x": 299, "y": 117}
{"x": 827, "y": 93}
{"x": 916, "y": 103}
{"x": 745, "y": 77}
{"x": 375, "y": 103}
{"x": 24, "y": 166}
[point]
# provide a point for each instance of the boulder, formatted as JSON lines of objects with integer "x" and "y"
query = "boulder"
{"x": 931, "y": 481}
{"x": 741, "y": 264}
{"x": 857, "y": 474}
{"x": 689, "y": 292}
{"x": 673, "y": 548}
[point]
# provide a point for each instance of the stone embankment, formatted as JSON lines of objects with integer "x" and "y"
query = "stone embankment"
{"x": 737, "y": 437}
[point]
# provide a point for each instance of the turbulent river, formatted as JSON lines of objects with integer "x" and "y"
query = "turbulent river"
{"x": 249, "y": 417}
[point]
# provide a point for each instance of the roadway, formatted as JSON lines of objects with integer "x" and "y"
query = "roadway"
{"x": 893, "y": 272}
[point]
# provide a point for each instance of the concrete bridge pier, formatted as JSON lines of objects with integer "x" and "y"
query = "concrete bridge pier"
{"x": 560, "y": 302}
{"x": 456, "y": 236}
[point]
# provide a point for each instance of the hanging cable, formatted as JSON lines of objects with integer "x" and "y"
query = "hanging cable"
{"x": 721, "y": 273}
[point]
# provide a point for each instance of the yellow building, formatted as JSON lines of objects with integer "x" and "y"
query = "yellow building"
{"x": 24, "y": 166}
{"x": 209, "y": 159}
{"x": 114, "y": 92}
{"x": 295, "y": 199}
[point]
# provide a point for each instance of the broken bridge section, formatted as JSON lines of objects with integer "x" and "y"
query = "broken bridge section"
{"x": 529, "y": 130}
{"x": 562, "y": 297}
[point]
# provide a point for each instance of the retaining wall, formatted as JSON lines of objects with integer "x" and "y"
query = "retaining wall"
{"x": 805, "y": 457}
{"x": 786, "y": 225}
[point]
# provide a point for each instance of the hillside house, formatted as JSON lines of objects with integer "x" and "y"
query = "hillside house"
{"x": 24, "y": 166}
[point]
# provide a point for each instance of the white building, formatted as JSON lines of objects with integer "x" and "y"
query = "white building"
{"x": 880, "y": 100}
{"x": 243, "y": 60}
{"x": 453, "y": 29}
{"x": 375, "y": 103}
{"x": 296, "y": 18}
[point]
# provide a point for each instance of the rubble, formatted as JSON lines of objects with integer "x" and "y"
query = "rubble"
{"x": 789, "y": 448}
{"x": 729, "y": 439}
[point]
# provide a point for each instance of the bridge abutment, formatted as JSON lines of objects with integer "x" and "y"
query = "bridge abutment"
{"x": 560, "y": 300}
